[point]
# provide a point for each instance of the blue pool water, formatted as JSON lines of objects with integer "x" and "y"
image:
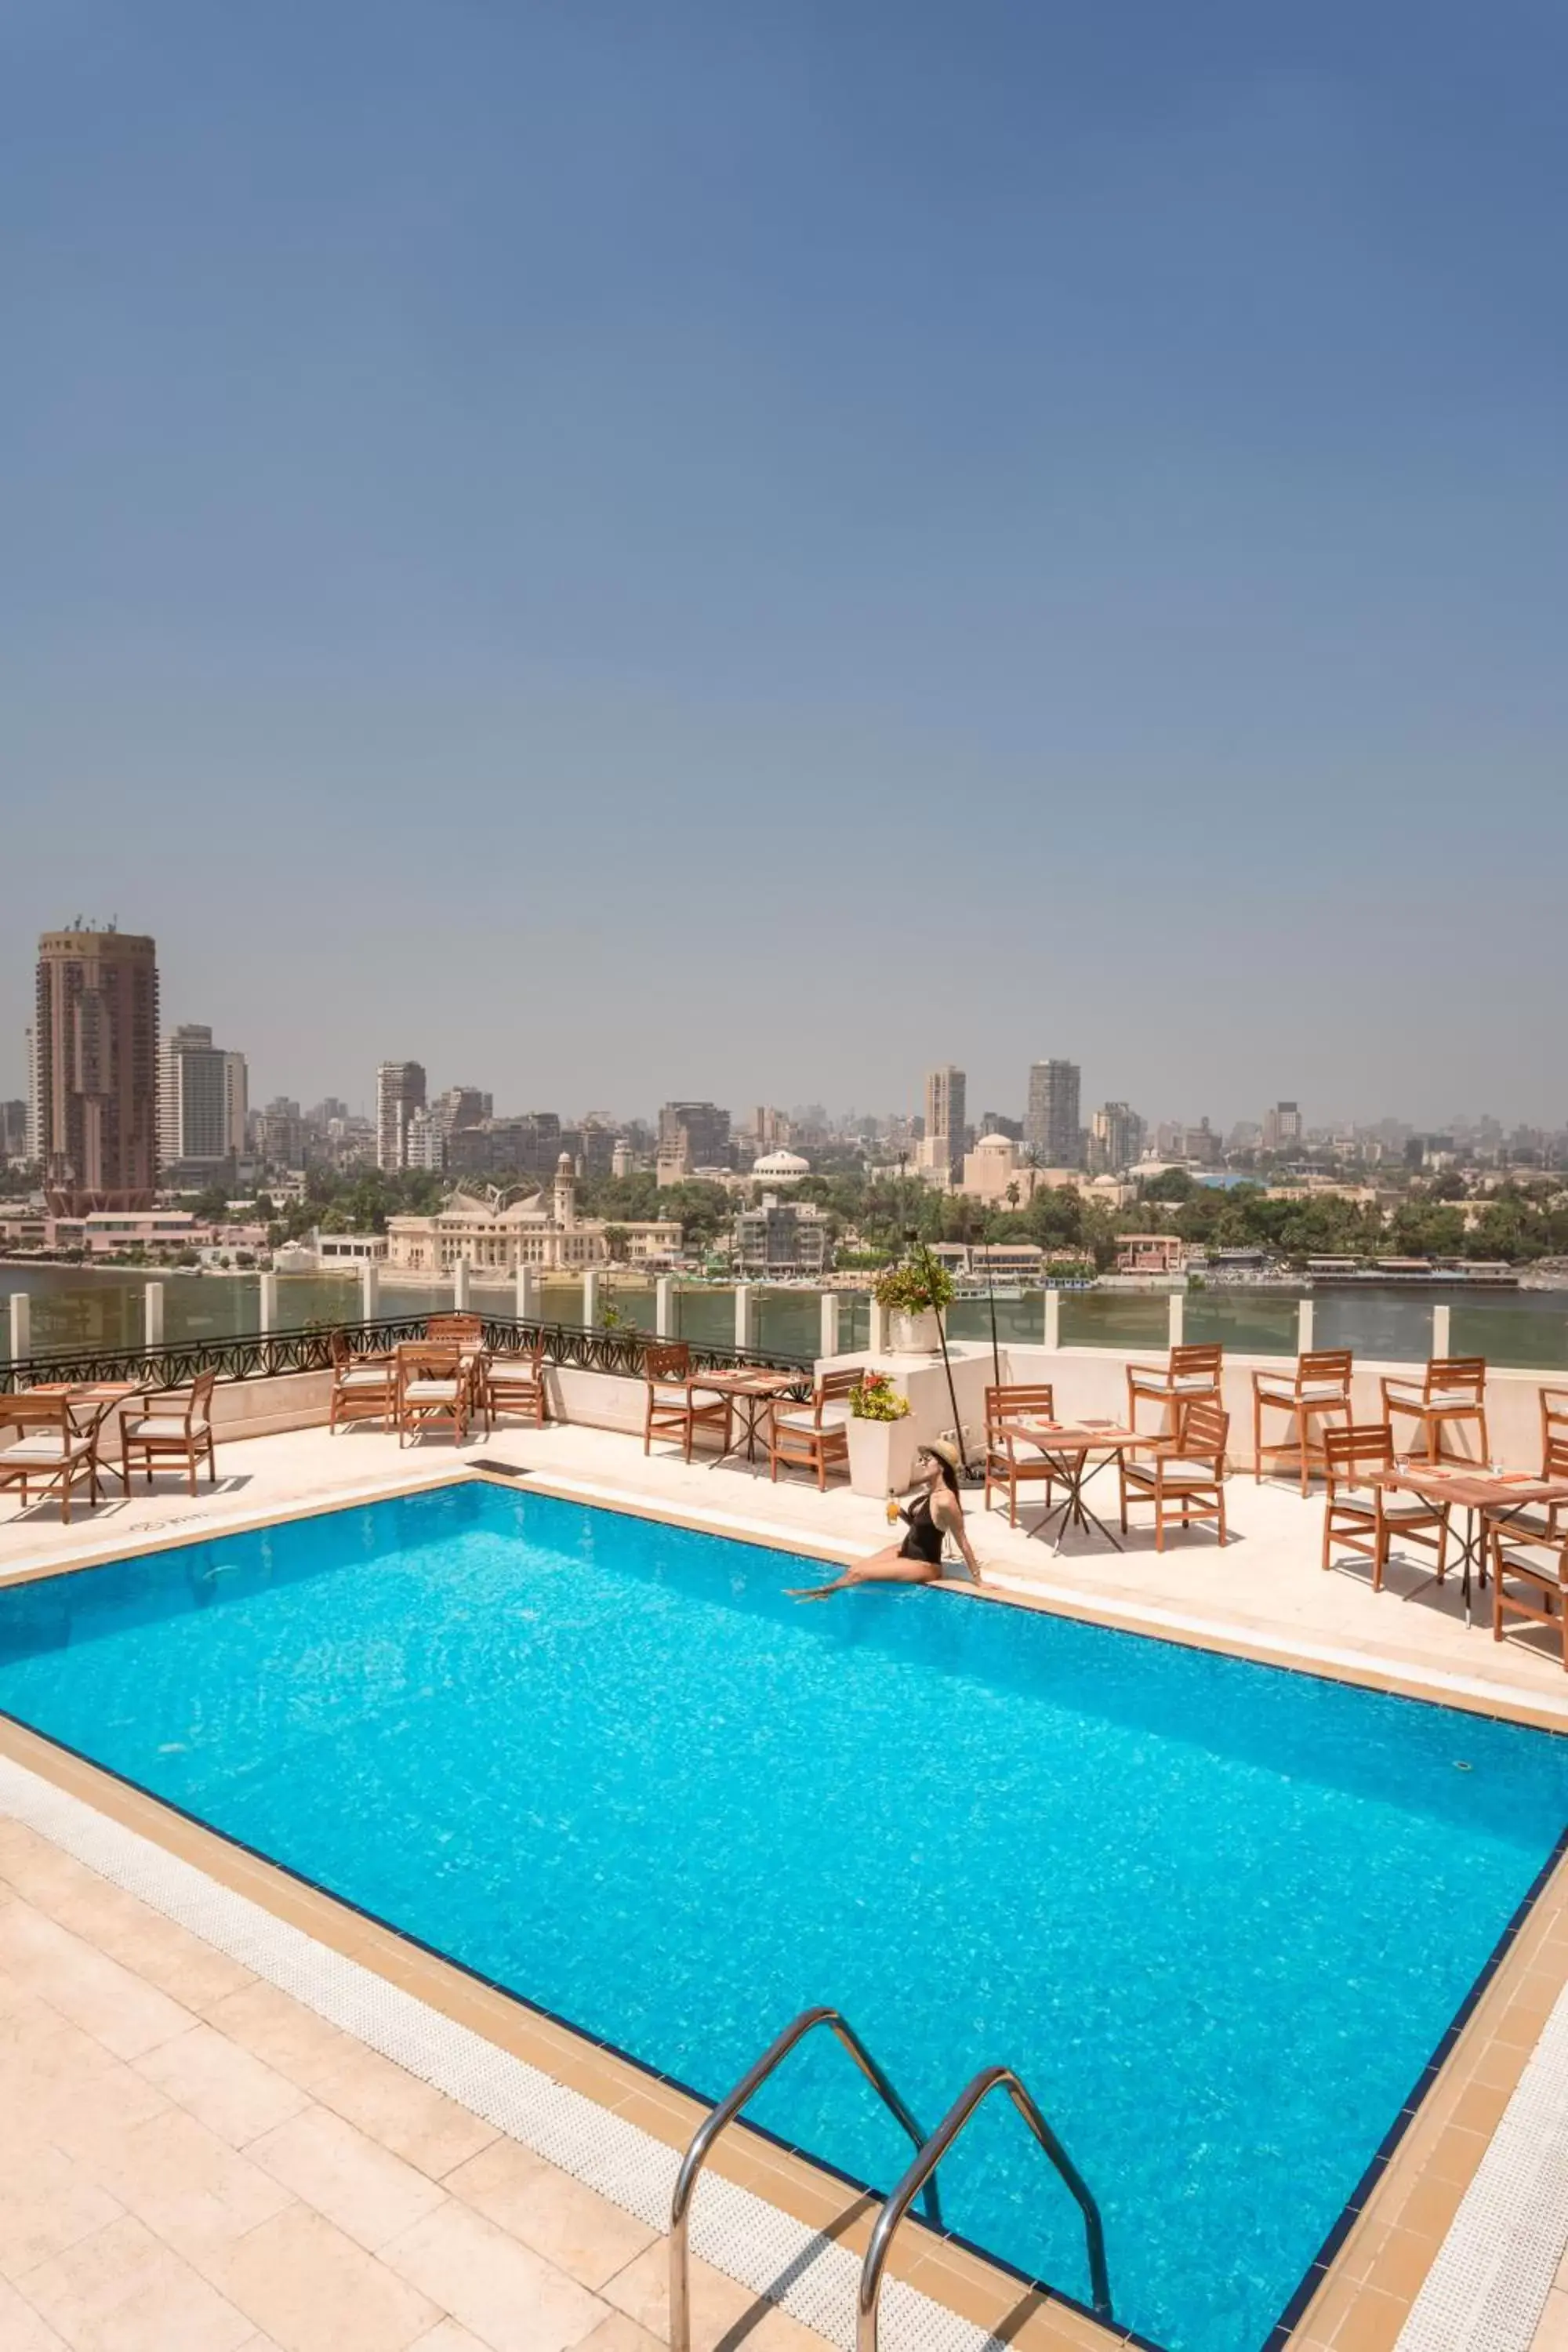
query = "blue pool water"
{"x": 1217, "y": 1916}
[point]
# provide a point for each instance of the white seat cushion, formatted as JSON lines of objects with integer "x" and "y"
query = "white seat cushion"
{"x": 1395, "y": 1505}
{"x": 1311, "y": 1392}
{"x": 365, "y": 1375}
{"x": 835, "y": 1415}
{"x": 1540, "y": 1561}
{"x": 803, "y": 1418}
{"x": 433, "y": 1392}
{"x": 1189, "y": 1383}
{"x": 1440, "y": 1399}
{"x": 164, "y": 1425}
{"x": 1177, "y": 1473}
{"x": 44, "y": 1448}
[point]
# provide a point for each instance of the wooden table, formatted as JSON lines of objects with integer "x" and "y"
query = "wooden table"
{"x": 1068, "y": 1446}
{"x": 100, "y": 1397}
{"x": 1482, "y": 1495}
{"x": 751, "y": 1393}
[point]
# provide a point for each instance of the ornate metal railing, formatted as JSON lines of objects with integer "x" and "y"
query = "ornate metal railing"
{"x": 263, "y": 1355}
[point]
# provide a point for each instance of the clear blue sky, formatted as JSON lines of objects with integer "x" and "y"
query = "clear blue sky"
{"x": 631, "y": 550}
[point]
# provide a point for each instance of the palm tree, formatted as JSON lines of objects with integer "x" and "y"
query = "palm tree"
{"x": 1012, "y": 1195}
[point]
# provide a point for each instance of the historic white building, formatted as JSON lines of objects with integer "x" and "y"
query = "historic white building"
{"x": 496, "y": 1231}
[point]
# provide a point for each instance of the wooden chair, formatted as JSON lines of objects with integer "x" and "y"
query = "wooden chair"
{"x": 675, "y": 1405}
{"x": 1553, "y": 1428}
{"x": 1453, "y": 1387}
{"x": 434, "y": 1389}
{"x": 171, "y": 1425}
{"x": 468, "y": 1330}
{"x": 1183, "y": 1477}
{"x": 49, "y": 1452}
{"x": 1539, "y": 1572}
{"x": 364, "y": 1388}
{"x": 515, "y": 1385}
{"x": 1365, "y": 1519}
{"x": 1189, "y": 1374}
{"x": 814, "y": 1436}
{"x": 1012, "y": 1455}
{"x": 1320, "y": 1386}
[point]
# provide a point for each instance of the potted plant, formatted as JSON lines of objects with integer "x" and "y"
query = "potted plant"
{"x": 881, "y": 1437}
{"x": 914, "y": 1295}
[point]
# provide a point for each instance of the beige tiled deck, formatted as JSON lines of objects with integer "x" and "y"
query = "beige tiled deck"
{"x": 193, "y": 2158}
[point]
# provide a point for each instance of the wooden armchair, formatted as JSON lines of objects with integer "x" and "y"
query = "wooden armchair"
{"x": 1530, "y": 1579}
{"x": 1012, "y": 1455}
{"x": 814, "y": 1436}
{"x": 1320, "y": 1386}
{"x": 364, "y": 1388}
{"x": 1362, "y": 1517}
{"x": 515, "y": 1385}
{"x": 1453, "y": 1387}
{"x": 1189, "y": 1374}
{"x": 467, "y": 1330}
{"x": 1183, "y": 1477}
{"x": 47, "y": 1450}
{"x": 677, "y": 1406}
{"x": 434, "y": 1389}
{"x": 171, "y": 1425}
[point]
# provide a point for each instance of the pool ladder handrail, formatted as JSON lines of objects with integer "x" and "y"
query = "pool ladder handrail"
{"x": 725, "y": 2113}
{"x": 924, "y": 2170}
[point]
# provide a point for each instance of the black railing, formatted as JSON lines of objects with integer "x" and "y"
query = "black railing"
{"x": 263, "y": 1355}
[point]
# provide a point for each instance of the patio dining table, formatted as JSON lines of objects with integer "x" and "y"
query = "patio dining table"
{"x": 1071, "y": 1448}
{"x": 91, "y": 1403}
{"x": 1483, "y": 1496}
{"x": 753, "y": 1391}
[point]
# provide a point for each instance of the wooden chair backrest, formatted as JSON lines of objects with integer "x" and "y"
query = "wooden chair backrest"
{"x": 37, "y": 1412}
{"x": 1458, "y": 1372}
{"x": 201, "y": 1388}
{"x": 454, "y": 1327}
{"x": 1325, "y": 1364}
{"x": 1555, "y": 1455}
{"x": 1184, "y": 1361}
{"x": 836, "y": 1386}
{"x": 669, "y": 1361}
{"x": 1204, "y": 1429}
{"x": 1016, "y": 1399}
{"x": 425, "y": 1358}
{"x": 1350, "y": 1453}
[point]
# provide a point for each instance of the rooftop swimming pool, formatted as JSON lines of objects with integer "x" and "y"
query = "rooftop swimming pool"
{"x": 1218, "y": 1915}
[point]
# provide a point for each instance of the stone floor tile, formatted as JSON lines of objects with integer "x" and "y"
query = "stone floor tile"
{"x": 159, "y": 1950}
{"x": 415, "y": 2121}
{"x": 562, "y": 2219}
{"x": 23, "y": 2329}
{"x": 312, "y": 2290}
{"x": 110, "y": 2002}
{"x": 721, "y": 2308}
{"x": 367, "y": 2191}
{"x": 89, "y": 2115}
{"x": 227, "y": 2088}
{"x": 291, "y": 2038}
{"x": 47, "y": 2201}
{"x": 446, "y": 2336}
{"x": 1551, "y": 2328}
{"x": 617, "y": 2333}
{"x": 503, "y": 2292}
{"x": 190, "y": 2188}
{"x": 124, "y": 2291}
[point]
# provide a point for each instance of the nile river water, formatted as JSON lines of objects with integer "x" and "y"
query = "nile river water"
{"x": 72, "y": 1307}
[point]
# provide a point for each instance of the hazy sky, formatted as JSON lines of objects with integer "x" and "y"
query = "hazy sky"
{"x": 737, "y": 550}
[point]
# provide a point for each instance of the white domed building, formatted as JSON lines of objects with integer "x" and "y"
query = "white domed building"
{"x": 780, "y": 1167}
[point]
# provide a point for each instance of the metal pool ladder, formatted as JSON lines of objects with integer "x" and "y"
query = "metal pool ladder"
{"x": 923, "y": 2171}
{"x": 726, "y": 2112}
{"x": 920, "y": 2178}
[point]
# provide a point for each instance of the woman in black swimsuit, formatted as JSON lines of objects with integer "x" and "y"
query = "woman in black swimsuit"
{"x": 935, "y": 1512}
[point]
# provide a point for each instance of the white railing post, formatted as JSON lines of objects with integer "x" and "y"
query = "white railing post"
{"x": 1178, "y": 1318}
{"x": 1303, "y": 1326}
{"x": 1053, "y": 1320}
{"x": 745, "y": 1317}
{"x": 152, "y": 1315}
{"x": 266, "y": 1306}
{"x": 829, "y": 1342}
{"x": 460, "y": 1285}
{"x": 664, "y": 1306}
{"x": 1441, "y": 1343}
{"x": 369, "y": 1291}
{"x": 590, "y": 1295}
{"x": 21, "y": 1326}
{"x": 877, "y": 1336}
{"x": 527, "y": 1294}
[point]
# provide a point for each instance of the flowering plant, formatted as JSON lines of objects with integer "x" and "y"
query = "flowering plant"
{"x": 911, "y": 1289}
{"x": 874, "y": 1398}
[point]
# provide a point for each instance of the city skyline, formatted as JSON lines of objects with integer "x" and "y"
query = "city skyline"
{"x": 1039, "y": 531}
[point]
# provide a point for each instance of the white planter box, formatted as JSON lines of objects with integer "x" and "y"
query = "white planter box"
{"x": 914, "y": 1335}
{"x": 882, "y": 1456}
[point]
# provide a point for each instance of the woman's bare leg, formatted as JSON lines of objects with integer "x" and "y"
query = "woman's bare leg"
{"x": 889, "y": 1567}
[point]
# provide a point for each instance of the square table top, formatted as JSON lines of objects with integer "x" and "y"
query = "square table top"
{"x": 1074, "y": 1436}
{"x": 1474, "y": 1490}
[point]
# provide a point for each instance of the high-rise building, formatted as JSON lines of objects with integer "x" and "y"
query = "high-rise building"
{"x": 399, "y": 1092}
{"x": 941, "y": 1150}
{"x": 13, "y": 1130}
{"x": 1115, "y": 1138}
{"x": 693, "y": 1135}
{"x": 1051, "y": 1123}
{"x": 95, "y": 1069}
{"x": 1282, "y": 1126}
{"x": 201, "y": 1102}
